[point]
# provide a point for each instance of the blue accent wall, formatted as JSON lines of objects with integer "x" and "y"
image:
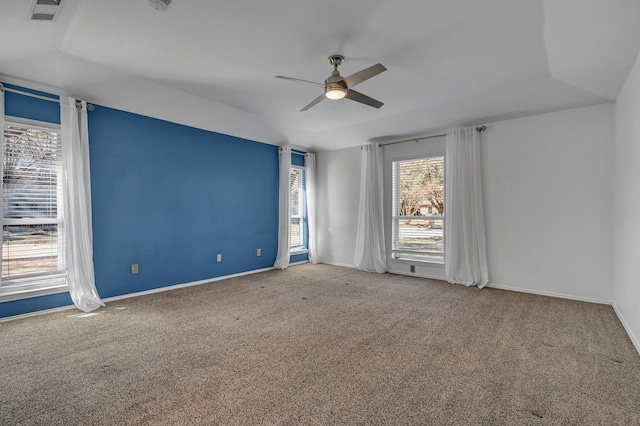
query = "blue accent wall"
{"x": 17, "y": 105}
{"x": 34, "y": 304}
{"x": 169, "y": 198}
{"x": 302, "y": 257}
{"x": 297, "y": 158}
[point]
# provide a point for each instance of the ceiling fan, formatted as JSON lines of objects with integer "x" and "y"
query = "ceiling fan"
{"x": 338, "y": 87}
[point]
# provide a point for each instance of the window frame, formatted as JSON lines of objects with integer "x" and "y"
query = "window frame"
{"x": 37, "y": 284}
{"x": 302, "y": 215}
{"x": 395, "y": 219}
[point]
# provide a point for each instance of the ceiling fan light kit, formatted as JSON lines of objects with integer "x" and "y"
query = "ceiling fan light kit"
{"x": 335, "y": 92}
{"x": 338, "y": 87}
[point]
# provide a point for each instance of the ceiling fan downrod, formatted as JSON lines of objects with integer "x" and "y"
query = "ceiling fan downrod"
{"x": 334, "y": 86}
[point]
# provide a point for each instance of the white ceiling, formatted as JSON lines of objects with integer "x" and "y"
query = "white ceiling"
{"x": 211, "y": 64}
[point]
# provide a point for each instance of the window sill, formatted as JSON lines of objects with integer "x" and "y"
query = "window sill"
{"x": 298, "y": 251}
{"x": 9, "y": 295}
{"x": 33, "y": 286}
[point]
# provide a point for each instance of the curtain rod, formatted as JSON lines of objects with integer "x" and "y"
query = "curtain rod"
{"x": 478, "y": 129}
{"x": 33, "y": 95}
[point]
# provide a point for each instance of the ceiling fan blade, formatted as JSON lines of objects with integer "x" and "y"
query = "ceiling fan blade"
{"x": 363, "y": 75}
{"x": 313, "y": 102}
{"x": 363, "y": 99}
{"x": 299, "y": 80}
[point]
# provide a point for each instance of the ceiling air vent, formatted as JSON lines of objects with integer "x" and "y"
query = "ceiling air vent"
{"x": 44, "y": 10}
{"x": 159, "y": 4}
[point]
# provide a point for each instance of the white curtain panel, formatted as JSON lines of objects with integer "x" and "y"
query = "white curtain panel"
{"x": 370, "y": 246}
{"x": 77, "y": 205}
{"x": 465, "y": 253}
{"x": 310, "y": 165}
{"x": 284, "y": 211}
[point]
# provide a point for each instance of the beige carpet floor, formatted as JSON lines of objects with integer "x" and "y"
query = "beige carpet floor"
{"x": 322, "y": 345}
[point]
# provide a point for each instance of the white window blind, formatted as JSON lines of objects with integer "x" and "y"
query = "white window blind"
{"x": 297, "y": 181}
{"x": 418, "y": 209}
{"x": 32, "y": 209}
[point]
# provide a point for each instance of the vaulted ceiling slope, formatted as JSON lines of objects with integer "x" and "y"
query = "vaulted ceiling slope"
{"x": 212, "y": 64}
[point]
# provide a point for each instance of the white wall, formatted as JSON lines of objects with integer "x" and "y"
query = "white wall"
{"x": 548, "y": 187}
{"x": 548, "y": 183}
{"x": 337, "y": 207}
{"x": 339, "y": 198}
{"x": 627, "y": 206}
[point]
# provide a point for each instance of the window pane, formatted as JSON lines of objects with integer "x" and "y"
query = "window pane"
{"x": 422, "y": 187}
{"x": 295, "y": 192}
{"x": 296, "y": 234}
{"x": 421, "y": 240}
{"x": 30, "y": 174}
{"x": 30, "y": 249}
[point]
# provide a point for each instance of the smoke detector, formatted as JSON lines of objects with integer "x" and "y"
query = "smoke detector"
{"x": 44, "y": 10}
{"x": 159, "y": 4}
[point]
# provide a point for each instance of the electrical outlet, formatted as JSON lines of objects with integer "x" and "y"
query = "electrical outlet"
{"x": 219, "y": 257}
{"x": 134, "y": 268}
{"x": 259, "y": 252}
{"x": 413, "y": 268}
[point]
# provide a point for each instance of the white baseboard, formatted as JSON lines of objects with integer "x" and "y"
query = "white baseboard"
{"x": 189, "y": 284}
{"x": 140, "y": 293}
{"x": 298, "y": 263}
{"x": 501, "y": 287}
{"x": 551, "y": 294}
{"x": 634, "y": 339}
{"x": 344, "y": 265}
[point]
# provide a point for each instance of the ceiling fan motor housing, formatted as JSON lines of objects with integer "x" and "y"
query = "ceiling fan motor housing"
{"x": 334, "y": 86}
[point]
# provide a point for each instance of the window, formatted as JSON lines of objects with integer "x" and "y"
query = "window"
{"x": 418, "y": 209}
{"x": 297, "y": 181}
{"x": 32, "y": 209}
